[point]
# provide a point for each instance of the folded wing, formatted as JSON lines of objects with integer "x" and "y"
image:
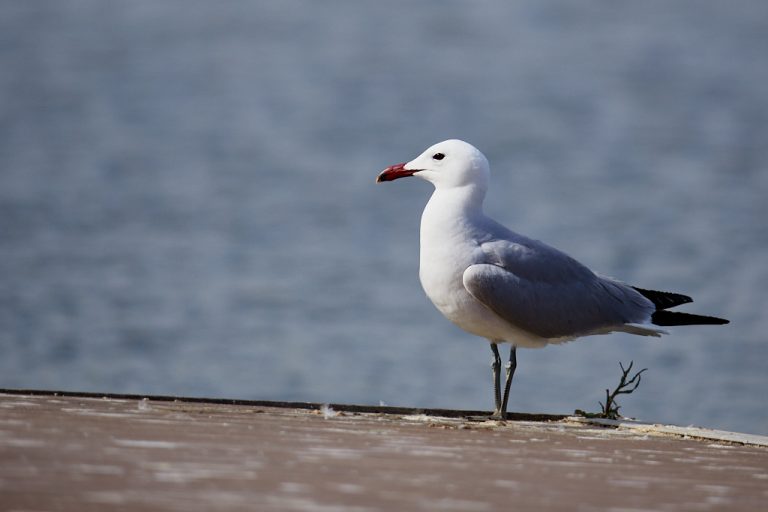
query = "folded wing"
{"x": 547, "y": 293}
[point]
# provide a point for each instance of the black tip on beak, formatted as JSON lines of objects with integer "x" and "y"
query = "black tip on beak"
{"x": 394, "y": 172}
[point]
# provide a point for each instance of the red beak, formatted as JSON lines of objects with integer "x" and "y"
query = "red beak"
{"x": 394, "y": 172}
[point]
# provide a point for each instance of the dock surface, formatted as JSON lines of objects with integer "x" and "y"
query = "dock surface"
{"x": 62, "y": 453}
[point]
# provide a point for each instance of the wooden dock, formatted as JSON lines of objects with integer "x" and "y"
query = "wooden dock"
{"x": 81, "y": 452}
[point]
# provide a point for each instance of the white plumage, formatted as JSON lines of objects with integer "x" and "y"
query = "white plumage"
{"x": 503, "y": 286}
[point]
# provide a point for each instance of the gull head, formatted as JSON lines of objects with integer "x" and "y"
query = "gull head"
{"x": 448, "y": 164}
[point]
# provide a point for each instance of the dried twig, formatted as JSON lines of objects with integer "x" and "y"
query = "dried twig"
{"x": 611, "y": 408}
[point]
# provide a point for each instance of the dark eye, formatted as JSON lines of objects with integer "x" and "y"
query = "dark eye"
{"x": 438, "y": 156}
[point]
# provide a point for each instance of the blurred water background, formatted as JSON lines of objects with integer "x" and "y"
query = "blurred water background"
{"x": 187, "y": 197}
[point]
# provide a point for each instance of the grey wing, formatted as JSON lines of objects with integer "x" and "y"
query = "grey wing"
{"x": 576, "y": 305}
{"x": 533, "y": 260}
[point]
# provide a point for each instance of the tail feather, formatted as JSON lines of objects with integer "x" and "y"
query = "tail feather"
{"x": 665, "y": 318}
{"x": 664, "y": 300}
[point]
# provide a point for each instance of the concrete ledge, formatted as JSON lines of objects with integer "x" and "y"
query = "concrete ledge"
{"x": 704, "y": 434}
{"x": 376, "y": 409}
{"x": 82, "y": 452}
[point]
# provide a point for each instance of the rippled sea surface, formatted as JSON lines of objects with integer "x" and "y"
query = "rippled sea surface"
{"x": 187, "y": 197}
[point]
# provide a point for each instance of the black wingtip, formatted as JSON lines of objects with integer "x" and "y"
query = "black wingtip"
{"x": 664, "y": 300}
{"x": 668, "y": 318}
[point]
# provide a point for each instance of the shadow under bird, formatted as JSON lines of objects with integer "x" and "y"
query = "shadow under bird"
{"x": 508, "y": 288}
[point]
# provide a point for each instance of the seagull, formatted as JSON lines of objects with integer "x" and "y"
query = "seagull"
{"x": 508, "y": 288}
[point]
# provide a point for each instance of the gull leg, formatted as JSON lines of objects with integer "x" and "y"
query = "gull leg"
{"x": 511, "y": 366}
{"x": 496, "y": 368}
